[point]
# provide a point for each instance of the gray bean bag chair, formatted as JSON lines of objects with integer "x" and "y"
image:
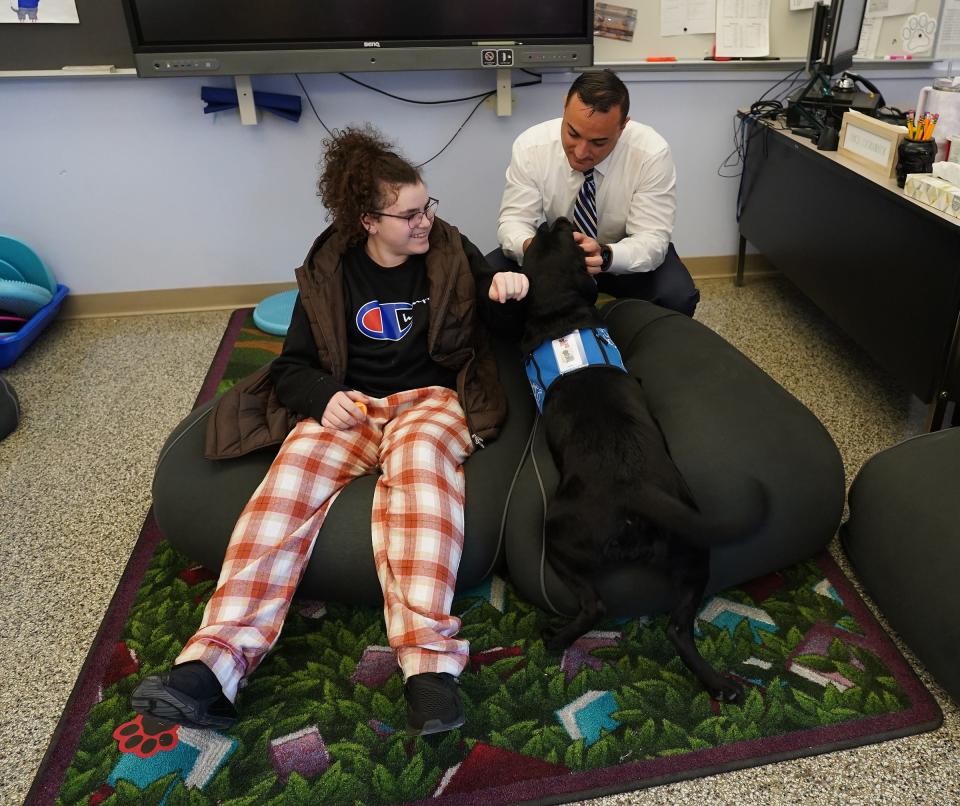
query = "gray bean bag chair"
{"x": 722, "y": 416}
{"x": 9, "y": 409}
{"x": 724, "y": 420}
{"x": 903, "y": 539}
{"x": 197, "y": 501}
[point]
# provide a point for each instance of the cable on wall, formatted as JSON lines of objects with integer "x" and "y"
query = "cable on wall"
{"x": 465, "y": 121}
{"x": 762, "y": 109}
{"x": 310, "y": 101}
{"x": 482, "y": 96}
{"x": 414, "y": 100}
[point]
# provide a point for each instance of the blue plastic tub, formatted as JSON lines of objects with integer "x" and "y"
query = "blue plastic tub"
{"x": 12, "y": 346}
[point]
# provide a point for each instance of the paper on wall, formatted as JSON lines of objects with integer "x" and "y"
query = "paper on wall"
{"x": 919, "y": 33}
{"x": 890, "y": 8}
{"x": 680, "y": 17}
{"x": 948, "y": 44}
{"x": 743, "y": 28}
{"x": 614, "y": 22}
{"x": 869, "y": 38}
{"x": 58, "y": 11}
{"x": 801, "y": 5}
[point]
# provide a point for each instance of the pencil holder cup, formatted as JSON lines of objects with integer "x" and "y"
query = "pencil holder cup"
{"x": 915, "y": 157}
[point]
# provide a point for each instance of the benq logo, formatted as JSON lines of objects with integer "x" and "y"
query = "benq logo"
{"x": 371, "y": 44}
{"x": 385, "y": 321}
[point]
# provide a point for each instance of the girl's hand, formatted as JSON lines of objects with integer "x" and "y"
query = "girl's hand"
{"x": 343, "y": 411}
{"x": 508, "y": 285}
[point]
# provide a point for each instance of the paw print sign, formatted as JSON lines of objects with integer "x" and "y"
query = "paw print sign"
{"x": 918, "y": 33}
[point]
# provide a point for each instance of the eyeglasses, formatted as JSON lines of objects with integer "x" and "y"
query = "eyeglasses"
{"x": 415, "y": 219}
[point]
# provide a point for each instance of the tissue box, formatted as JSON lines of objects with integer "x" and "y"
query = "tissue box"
{"x": 930, "y": 190}
{"x": 952, "y": 198}
{"x": 950, "y": 171}
{"x": 940, "y": 189}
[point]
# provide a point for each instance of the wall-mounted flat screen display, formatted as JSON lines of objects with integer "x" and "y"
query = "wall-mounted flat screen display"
{"x": 197, "y": 37}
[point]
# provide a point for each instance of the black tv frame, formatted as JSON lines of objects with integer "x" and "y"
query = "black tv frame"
{"x": 239, "y": 58}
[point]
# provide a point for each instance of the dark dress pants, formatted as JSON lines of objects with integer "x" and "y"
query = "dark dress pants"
{"x": 669, "y": 285}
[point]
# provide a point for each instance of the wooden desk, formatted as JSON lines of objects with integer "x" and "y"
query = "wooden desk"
{"x": 884, "y": 268}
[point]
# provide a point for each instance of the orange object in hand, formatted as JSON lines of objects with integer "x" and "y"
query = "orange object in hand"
{"x": 361, "y": 406}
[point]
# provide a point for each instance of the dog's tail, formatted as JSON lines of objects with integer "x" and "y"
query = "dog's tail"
{"x": 728, "y": 511}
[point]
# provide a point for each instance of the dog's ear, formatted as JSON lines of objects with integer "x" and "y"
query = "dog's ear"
{"x": 536, "y": 244}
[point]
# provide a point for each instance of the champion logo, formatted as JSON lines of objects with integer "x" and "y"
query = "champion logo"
{"x": 385, "y": 321}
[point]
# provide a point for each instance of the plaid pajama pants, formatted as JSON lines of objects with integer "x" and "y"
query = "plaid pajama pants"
{"x": 418, "y": 440}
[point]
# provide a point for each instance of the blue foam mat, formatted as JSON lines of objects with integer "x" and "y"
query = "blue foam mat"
{"x": 272, "y": 314}
{"x": 22, "y": 299}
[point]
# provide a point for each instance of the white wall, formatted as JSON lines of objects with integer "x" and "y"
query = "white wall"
{"x": 123, "y": 184}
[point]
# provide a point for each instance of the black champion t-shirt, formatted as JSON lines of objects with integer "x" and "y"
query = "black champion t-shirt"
{"x": 387, "y": 321}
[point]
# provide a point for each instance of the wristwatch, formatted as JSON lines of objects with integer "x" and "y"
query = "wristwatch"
{"x": 606, "y": 255}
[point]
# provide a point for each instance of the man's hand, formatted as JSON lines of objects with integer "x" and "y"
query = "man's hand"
{"x": 342, "y": 412}
{"x": 508, "y": 285}
{"x": 592, "y": 251}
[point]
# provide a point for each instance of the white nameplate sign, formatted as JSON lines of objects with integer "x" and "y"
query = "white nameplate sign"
{"x": 870, "y": 142}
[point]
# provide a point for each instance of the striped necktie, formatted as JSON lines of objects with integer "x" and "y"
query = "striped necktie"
{"x": 585, "y": 210}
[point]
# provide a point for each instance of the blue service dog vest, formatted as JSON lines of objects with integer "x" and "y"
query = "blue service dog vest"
{"x": 587, "y": 347}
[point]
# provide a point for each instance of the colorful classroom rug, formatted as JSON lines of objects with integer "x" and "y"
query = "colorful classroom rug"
{"x": 322, "y": 719}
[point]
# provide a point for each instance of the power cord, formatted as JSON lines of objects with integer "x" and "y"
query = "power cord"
{"x": 486, "y": 94}
{"x": 481, "y": 95}
{"x": 465, "y": 121}
{"x": 858, "y": 79}
{"x": 766, "y": 110}
{"x": 309, "y": 101}
{"x": 759, "y": 111}
{"x": 763, "y": 109}
{"x": 892, "y": 114}
{"x": 769, "y": 111}
{"x": 792, "y": 78}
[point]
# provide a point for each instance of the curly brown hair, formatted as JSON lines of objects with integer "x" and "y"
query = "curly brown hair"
{"x": 361, "y": 172}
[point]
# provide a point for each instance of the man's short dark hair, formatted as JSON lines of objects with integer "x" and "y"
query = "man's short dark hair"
{"x": 601, "y": 90}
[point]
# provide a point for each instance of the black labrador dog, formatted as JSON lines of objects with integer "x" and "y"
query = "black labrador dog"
{"x": 620, "y": 498}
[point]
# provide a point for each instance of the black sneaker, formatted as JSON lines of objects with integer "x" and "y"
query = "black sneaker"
{"x": 189, "y": 695}
{"x": 433, "y": 703}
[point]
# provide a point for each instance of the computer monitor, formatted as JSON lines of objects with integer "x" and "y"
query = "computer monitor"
{"x": 843, "y": 34}
{"x": 834, "y": 36}
{"x": 820, "y": 104}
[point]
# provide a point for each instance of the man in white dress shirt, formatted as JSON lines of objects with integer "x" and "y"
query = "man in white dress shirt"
{"x": 615, "y": 179}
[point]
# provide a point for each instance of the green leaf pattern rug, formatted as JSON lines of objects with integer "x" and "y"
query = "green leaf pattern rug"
{"x": 322, "y": 719}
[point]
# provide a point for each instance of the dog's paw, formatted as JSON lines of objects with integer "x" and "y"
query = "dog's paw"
{"x": 727, "y": 690}
{"x": 554, "y": 639}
